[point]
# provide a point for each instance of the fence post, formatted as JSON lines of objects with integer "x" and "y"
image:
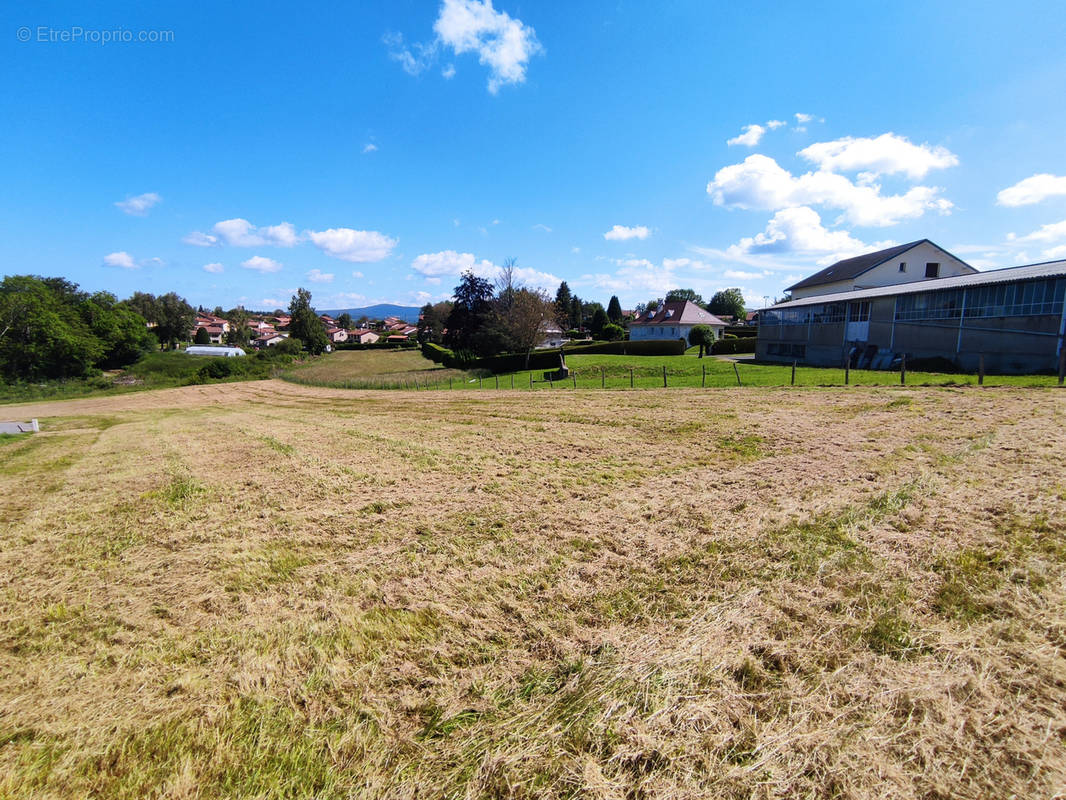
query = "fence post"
{"x": 551, "y": 383}
{"x": 703, "y": 379}
{"x": 847, "y": 370}
{"x": 603, "y": 378}
{"x": 981, "y": 370}
{"x": 480, "y": 383}
{"x": 664, "y": 376}
{"x": 512, "y": 380}
{"x": 497, "y": 381}
{"x": 573, "y": 375}
{"x": 449, "y": 384}
{"x": 903, "y": 370}
{"x": 1062, "y": 363}
{"x": 630, "y": 377}
{"x": 531, "y": 381}
{"x": 793, "y": 373}
{"x": 737, "y": 371}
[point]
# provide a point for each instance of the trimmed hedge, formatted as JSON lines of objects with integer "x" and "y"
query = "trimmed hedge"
{"x": 743, "y": 331}
{"x": 376, "y": 346}
{"x": 640, "y": 347}
{"x": 549, "y": 359}
{"x": 730, "y": 346}
{"x": 436, "y": 353}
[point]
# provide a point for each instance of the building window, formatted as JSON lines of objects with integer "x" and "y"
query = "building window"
{"x": 932, "y": 270}
{"x": 1023, "y": 298}
{"x": 859, "y": 311}
{"x": 902, "y": 266}
{"x": 946, "y": 304}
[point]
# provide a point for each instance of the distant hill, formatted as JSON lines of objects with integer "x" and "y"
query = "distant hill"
{"x": 380, "y": 311}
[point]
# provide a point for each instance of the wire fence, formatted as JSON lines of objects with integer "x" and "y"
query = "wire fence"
{"x": 715, "y": 374}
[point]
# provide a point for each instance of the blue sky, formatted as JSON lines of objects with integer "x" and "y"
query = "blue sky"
{"x": 371, "y": 153}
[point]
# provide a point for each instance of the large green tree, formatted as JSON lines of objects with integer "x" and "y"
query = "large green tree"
{"x": 306, "y": 324}
{"x": 598, "y": 320}
{"x": 471, "y": 320}
{"x": 239, "y": 334}
{"x": 677, "y": 295}
{"x": 563, "y": 299}
{"x": 729, "y": 302}
{"x": 431, "y": 321}
{"x": 51, "y": 329}
{"x": 123, "y": 332}
{"x": 614, "y": 310}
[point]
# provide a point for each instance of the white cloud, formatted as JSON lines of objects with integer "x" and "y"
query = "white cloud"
{"x": 370, "y": 148}
{"x": 414, "y": 59}
{"x": 741, "y": 275}
{"x": 502, "y": 43}
{"x": 542, "y": 228}
{"x": 800, "y": 230}
{"x": 271, "y": 303}
{"x": 1055, "y": 253}
{"x": 1032, "y": 190}
{"x": 262, "y": 264}
{"x": 140, "y": 205}
{"x": 774, "y": 124}
{"x": 803, "y": 119}
{"x": 120, "y": 259}
{"x": 620, "y": 233}
{"x": 352, "y": 245}
{"x": 201, "y": 239}
{"x": 241, "y": 233}
{"x": 450, "y": 263}
{"x": 214, "y": 268}
{"x": 1046, "y": 233}
{"x": 357, "y": 274}
{"x": 884, "y": 154}
{"x": 447, "y": 73}
{"x": 317, "y": 276}
{"x": 681, "y": 263}
{"x": 760, "y": 183}
{"x": 750, "y": 137}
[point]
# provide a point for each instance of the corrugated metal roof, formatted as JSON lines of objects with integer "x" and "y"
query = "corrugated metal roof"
{"x": 1048, "y": 269}
{"x": 853, "y": 267}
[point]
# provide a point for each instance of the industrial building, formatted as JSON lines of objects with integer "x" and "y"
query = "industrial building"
{"x": 1011, "y": 318}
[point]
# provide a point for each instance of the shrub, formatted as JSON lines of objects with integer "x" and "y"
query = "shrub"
{"x": 613, "y": 333}
{"x": 288, "y": 347}
{"x": 202, "y": 336}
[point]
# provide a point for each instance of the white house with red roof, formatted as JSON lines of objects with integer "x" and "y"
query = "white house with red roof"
{"x": 673, "y": 321}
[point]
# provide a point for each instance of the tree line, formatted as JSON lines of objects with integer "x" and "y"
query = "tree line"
{"x": 49, "y": 328}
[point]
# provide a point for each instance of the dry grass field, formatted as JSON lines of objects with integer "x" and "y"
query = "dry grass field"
{"x": 374, "y": 369}
{"x": 268, "y": 590}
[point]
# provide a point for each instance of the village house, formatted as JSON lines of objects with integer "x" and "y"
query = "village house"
{"x": 673, "y": 321}
{"x": 269, "y": 340}
{"x": 362, "y": 336}
{"x": 336, "y": 335}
